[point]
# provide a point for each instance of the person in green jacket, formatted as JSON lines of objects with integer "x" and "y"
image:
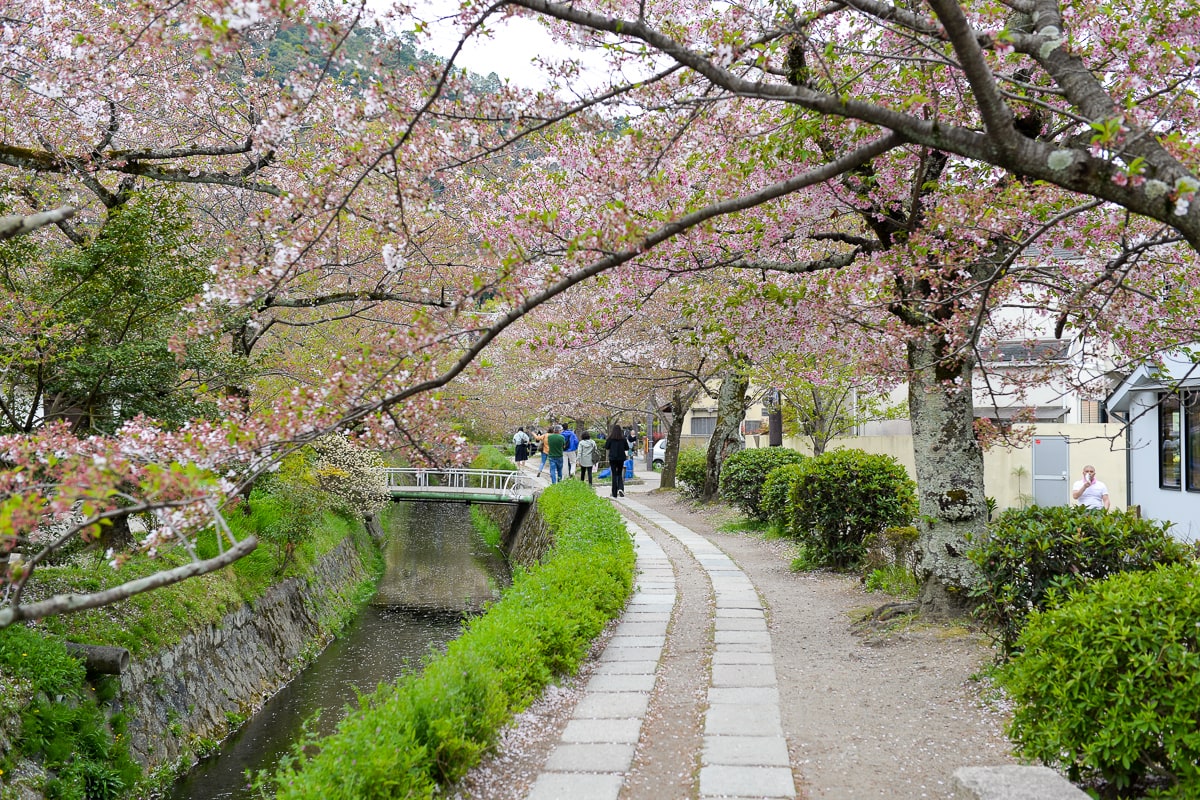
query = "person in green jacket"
{"x": 555, "y": 444}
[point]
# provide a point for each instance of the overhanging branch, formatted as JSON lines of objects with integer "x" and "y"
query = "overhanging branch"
{"x": 63, "y": 603}
{"x": 18, "y": 225}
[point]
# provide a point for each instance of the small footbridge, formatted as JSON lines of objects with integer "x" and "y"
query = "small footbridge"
{"x": 459, "y": 485}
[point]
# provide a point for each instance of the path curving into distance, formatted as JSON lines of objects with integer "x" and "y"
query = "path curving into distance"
{"x": 742, "y": 750}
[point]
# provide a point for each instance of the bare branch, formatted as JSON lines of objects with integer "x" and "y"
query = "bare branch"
{"x": 271, "y": 301}
{"x": 178, "y": 152}
{"x": 17, "y": 225}
{"x": 835, "y": 261}
{"x": 237, "y": 180}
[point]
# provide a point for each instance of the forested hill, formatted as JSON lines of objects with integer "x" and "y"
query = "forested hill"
{"x": 365, "y": 50}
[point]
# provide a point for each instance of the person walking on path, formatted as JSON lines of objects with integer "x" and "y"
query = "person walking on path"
{"x": 539, "y": 441}
{"x": 632, "y": 437}
{"x": 1090, "y": 492}
{"x": 554, "y": 448}
{"x": 569, "y": 452}
{"x": 520, "y": 447}
{"x": 618, "y": 450}
{"x": 586, "y": 456}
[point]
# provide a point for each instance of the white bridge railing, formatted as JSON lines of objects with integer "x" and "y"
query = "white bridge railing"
{"x": 505, "y": 484}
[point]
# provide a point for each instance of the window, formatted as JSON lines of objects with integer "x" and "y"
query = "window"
{"x": 1169, "y": 441}
{"x": 1191, "y": 428}
{"x": 753, "y": 426}
{"x": 703, "y": 426}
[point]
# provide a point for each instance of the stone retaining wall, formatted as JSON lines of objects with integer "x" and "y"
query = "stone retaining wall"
{"x": 529, "y": 544}
{"x": 188, "y": 697}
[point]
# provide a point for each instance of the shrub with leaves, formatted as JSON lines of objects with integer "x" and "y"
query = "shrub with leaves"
{"x": 297, "y": 504}
{"x": 1107, "y": 685}
{"x": 842, "y": 497}
{"x": 776, "y": 500}
{"x": 744, "y": 474}
{"x": 689, "y": 471}
{"x": 1028, "y": 554}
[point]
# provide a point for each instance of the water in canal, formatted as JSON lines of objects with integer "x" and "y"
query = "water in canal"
{"x": 437, "y": 570}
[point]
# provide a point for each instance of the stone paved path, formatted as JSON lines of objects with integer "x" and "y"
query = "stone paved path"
{"x": 744, "y": 751}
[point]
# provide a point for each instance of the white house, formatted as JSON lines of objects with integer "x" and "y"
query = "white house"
{"x": 1161, "y": 405}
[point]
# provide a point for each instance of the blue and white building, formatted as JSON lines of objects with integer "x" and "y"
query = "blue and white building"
{"x": 1160, "y": 403}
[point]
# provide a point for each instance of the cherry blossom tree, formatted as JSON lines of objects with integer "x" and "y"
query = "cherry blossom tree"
{"x": 287, "y": 173}
{"x": 990, "y": 127}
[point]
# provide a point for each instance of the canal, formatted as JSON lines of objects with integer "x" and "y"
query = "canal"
{"x": 438, "y": 570}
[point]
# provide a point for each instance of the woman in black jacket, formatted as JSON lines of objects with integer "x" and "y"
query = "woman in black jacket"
{"x": 618, "y": 451}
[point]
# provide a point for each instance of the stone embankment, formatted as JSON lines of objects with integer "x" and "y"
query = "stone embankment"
{"x": 192, "y": 695}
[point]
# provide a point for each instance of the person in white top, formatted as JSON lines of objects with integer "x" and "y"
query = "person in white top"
{"x": 520, "y": 447}
{"x": 1090, "y": 492}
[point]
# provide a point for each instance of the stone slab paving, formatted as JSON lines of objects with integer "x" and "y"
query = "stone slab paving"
{"x": 745, "y": 753}
{"x": 597, "y": 747}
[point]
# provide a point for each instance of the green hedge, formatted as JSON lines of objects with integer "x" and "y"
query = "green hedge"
{"x": 843, "y": 497}
{"x": 421, "y": 734}
{"x": 744, "y": 475}
{"x": 777, "y": 495}
{"x": 1029, "y": 554}
{"x": 690, "y": 467}
{"x": 1107, "y": 685}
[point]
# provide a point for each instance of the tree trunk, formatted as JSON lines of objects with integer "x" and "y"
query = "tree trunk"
{"x": 818, "y": 427}
{"x": 680, "y": 403}
{"x": 727, "y": 436}
{"x": 116, "y": 536}
{"x": 949, "y": 464}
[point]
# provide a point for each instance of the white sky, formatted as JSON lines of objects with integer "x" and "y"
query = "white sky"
{"x": 509, "y": 52}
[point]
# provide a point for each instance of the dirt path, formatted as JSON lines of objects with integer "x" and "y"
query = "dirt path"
{"x": 886, "y": 713}
{"x": 891, "y": 714}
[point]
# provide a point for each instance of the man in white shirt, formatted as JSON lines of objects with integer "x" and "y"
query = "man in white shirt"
{"x": 1090, "y": 492}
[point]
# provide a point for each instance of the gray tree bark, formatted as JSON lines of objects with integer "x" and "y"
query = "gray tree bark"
{"x": 727, "y": 436}
{"x": 949, "y": 463}
{"x": 681, "y": 401}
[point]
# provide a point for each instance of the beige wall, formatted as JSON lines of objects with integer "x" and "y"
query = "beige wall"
{"x": 1088, "y": 444}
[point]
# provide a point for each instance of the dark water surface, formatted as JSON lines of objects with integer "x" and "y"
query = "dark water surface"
{"x": 438, "y": 570}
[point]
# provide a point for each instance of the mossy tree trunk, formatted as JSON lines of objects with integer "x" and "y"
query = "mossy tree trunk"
{"x": 727, "y": 435}
{"x": 949, "y": 462}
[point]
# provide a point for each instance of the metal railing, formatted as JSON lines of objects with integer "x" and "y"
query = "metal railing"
{"x": 508, "y": 484}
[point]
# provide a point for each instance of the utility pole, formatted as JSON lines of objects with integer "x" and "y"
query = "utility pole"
{"x": 774, "y": 419}
{"x": 650, "y": 432}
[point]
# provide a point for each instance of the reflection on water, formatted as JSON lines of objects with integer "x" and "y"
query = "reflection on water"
{"x": 442, "y": 564}
{"x": 437, "y": 569}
